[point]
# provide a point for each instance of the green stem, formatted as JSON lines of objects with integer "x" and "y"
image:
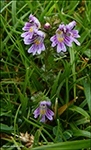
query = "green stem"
{"x": 46, "y": 64}
{"x": 46, "y": 60}
{"x": 72, "y": 59}
{"x": 67, "y": 96}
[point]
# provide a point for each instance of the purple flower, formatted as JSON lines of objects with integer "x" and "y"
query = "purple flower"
{"x": 44, "y": 111}
{"x": 60, "y": 38}
{"x": 34, "y": 20}
{"x": 65, "y": 34}
{"x": 37, "y": 41}
{"x": 31, "y": 28}
{"x": 72, "y": 33}
{"x": 33, "y": 35}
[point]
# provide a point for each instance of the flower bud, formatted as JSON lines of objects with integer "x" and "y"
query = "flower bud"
{"x": 47, "y": 26}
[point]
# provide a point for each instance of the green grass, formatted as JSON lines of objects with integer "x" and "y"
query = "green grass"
{"x": 61, "y": 78}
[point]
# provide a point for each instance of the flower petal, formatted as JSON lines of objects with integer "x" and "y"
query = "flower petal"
{"x": 28, "y": 24}
{"x": 42, "y": 118}
{"x": 72, "y": 24}
{"x": 36, "y": 111}
{"x": 59, "y": 48}
{"x": 40, "y": 47}
{"x": 53, "y": 38}
{"x": 31, "y": 49}
{"x": 24, "y": 34}
{"x": 39, "y": 51}
{"x": 67, "y": 40}
{"x": 31, "y": 16}
{"x": 34, "y": 49}
{"x": 77, "y": 42}
{"x": 43, "y": 46}
{"x": 48, "y": 103}
{"x": 34, "y": 20}
{"x": 50, "y": 112}
{"x": 42, "y": 103}
{"x": 54, "y": 43}
{"x": 75, "y": 33}
{"x": 36, "y": 115}
{"x": 29, "y": 36}
{"x": 28, "y": 41}
{"x": 49, "y": 116}
{"x": 63, "y": 47}
{"x": 40, "y": 33}
{"x": 61, "y": 26}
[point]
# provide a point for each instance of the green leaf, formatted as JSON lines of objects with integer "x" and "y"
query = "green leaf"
{"x": 81, "y": 133}
{"x": 80, "y": 110}
{"x": 82, "y": 121}
{"x": 15, "y": 143}
{"x": 45, "y": 10}
{"x": 34, "y": 124}
{"x": 83, "y": 36}
{"x": 4, "y": 113}
{"x": 24, "y": 102}
{"x": 74, "y": 6}
{"x": 50, "y": 10}
{"x": 57, "y": 131}
{"x": 69, "y": 145}
{"x": 5, "y": 128}
{"x": 5, "y": 7}
{"x": 87, "y": 90}
{"x": 36, "y": 139}
{"x": 68, "y": 134}
{"x": 88, "y": 53}
{"x": 54, "y": 87}
{"x": 14, "y": 12}
{"x": 59, "y": 11}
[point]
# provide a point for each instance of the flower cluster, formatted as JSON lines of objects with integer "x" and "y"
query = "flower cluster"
{"x": 33, "y": 35}
{"x": 44, "y": 111}
{"x": 65, "y": 34}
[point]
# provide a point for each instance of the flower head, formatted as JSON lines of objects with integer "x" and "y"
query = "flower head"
{"x": 34, "y": 20}
{"x": 31, "y": 27}
{"x": 37, "y": 41}
{"x": 33, "y": 35}
{"x": 65, "y": 35}
{"x": 60, "y": 38}
{"x": 44, "y": 111}
{"x": 73, "y": 33}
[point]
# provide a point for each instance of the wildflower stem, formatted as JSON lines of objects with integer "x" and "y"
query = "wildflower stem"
{"x": 72, "y": 59}
{"x": 67, "y": 96}
{"x": 46, "y": 60}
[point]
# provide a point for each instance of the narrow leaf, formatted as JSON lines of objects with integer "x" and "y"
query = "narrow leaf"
{"x": 80, "y": 110}
{"x": 79, "y": 144}
{"x": 64, "y": 107}
{"x": 87, "y": 88}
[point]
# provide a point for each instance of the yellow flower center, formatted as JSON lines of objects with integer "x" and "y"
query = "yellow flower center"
{"x": 40, "y": 26}
{"x": 42, "y": 111}
{"x": 59, "y": 32}
{"x": 31, "y": 29}
{"x": 60, "y": 40}
{"x": 72, "y": 34}
{"x": 37, "y": 42}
